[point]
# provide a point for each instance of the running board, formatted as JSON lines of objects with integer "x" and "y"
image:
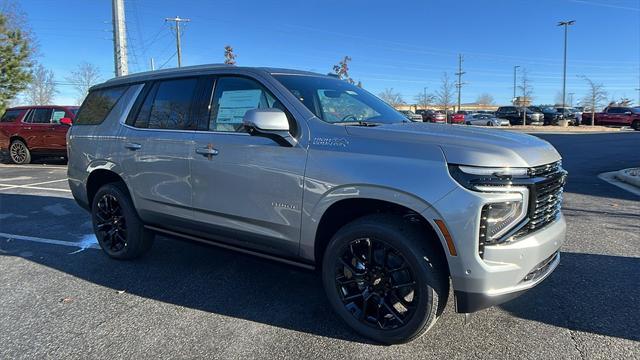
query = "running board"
{"x": 231, "y": 247}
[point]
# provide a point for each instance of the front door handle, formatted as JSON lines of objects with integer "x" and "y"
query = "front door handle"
{"x": 207, "y": 151}
{"x": 133, "y": 146}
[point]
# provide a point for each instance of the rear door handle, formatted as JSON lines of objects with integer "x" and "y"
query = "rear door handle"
{"x": 133, "y": 146}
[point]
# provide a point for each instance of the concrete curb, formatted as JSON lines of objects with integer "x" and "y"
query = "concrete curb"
{"x": 610, "y": 177}
{"x": 630, "y": 176}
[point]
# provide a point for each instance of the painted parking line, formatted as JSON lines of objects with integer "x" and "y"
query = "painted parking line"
{"x": 61, "y": 167}
{"x": 34, "y": 186}
{"x": 87, "y": 242}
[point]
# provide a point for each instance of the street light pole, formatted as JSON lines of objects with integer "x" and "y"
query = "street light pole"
{"x": 566, "y": 24}
{"x": 514, "y": 84}
{"x": 424, "y": 99}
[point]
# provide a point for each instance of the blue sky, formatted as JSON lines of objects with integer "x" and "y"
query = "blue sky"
{"x": 404, "y": 45}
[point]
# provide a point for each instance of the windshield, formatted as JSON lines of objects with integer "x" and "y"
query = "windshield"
{"x": 336, "y": 101}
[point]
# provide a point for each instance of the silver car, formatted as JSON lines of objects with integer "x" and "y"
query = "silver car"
{"x": 309, "y": 170}
{"x": 484, "y": 120}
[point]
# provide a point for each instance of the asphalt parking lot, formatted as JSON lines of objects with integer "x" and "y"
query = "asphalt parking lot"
{"x": 61, "y": 297}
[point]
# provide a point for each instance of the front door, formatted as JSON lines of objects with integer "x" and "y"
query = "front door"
{"x": 247, "y": 190}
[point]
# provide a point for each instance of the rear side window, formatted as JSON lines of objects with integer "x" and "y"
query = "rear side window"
{"x": 168, "y": 106}
{"x": 98, "y": 104}
{"x": 10, "y": 115}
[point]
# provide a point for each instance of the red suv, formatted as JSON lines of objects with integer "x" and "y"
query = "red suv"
{"x": 35, "y": 130}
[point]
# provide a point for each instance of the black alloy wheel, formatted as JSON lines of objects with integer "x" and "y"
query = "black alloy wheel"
{"x": 376, "y": 284}
{"x": 120, "y": 232}
{"x": 111, "y": 225}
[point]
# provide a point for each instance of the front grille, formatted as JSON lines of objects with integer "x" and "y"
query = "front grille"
{"x": 545, "y": 198}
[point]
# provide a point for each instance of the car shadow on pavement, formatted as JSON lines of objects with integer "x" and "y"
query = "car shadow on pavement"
{"x": 587, "y": 292}
{"x": 598, "y": 294}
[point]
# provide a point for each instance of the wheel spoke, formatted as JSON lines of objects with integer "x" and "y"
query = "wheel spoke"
{"x": 411, "y": 283}
{"x": 392, "y": 312}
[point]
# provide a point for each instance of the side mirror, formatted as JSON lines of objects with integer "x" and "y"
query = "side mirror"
{"x": 270, "y": 123}
{"x": 66, "y": 121}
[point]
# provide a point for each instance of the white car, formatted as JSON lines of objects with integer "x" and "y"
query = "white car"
{"x": 485, "y": 120}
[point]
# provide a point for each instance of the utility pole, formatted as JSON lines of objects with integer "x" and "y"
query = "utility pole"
{"x": 566, "y": 25}
{"x": 459, "y": 73}
{"x": 514, "y": 84}
{"x": 119, "y": 38}
{"x": 178, "y": 20}
{"x": 424, "y": 99}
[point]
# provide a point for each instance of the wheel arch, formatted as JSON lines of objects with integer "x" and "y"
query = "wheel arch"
{"x": 100, "y": 175}
{"x": 12, "y": 138}
{"x": 329, "y": 216}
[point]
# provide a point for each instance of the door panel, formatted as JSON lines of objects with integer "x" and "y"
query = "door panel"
{"x": 246, "y": 189}
{"x": 159, "y": 146}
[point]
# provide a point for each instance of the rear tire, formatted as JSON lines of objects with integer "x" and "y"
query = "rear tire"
{"x": 119, "y": 230}
{"x": 385, "y": 278}
{"x": 19, "y": 152}
{"x": 636, "y": 125}
{"x": 489, "y": 123}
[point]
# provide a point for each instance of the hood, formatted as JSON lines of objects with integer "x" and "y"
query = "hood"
{"x": 468, "y": 145}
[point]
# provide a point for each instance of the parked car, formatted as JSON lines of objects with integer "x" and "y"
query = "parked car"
{"x": 625, "y": 116}
{"x": 551, "y": 115}
{"x": 485, "y": 120}
{"x": 258, "y": 163}
{"x": 434, "y": 116}
{"x": 411, "y": 115}
{"x": 515, "y": 114}
{"x": 577, "y": 111}
{"x": 568, "y": 114}
{"x": 30, "y": 131}
{"x": 459, "y": 116}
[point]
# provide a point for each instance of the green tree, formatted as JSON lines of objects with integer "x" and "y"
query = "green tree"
{"x": 15, "y": 62}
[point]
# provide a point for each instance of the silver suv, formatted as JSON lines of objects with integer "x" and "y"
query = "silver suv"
{"x": 312, "y": 171}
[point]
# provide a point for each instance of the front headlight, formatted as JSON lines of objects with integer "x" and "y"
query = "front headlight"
{"x": 497, "y": 218}
{"x": 507, "y": 205}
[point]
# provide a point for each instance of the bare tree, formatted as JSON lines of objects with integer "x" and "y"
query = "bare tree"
{"x": 342, "y": 70}
{"x": 229, "y": 56}
{"x": 594, "y": 98}
{"x": 485, "y": 99}
{"x": 391, "y": 97}
{"x": 445, "y": 94}
{"x": 84, "y": 77}
{"x": 625, "y": 102}
{"x": 558, "y": 99}
{"x": 424, "y": 100}
{"x": 526, "y": 90}
{"x": 42, "y": 88}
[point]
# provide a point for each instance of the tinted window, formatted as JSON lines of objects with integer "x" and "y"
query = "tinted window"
{"x": 40, "y": 116}
{"x": 171, "y": 105}
{"x": 97, "y": 105}
{"x": 232, "y": 98}
{"x": 11, "y": 115}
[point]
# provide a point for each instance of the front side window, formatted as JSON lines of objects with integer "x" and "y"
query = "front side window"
{"x": 336, "y": 101}
{"x": 232, "y": 98}
{"x": 57, "y": 115}
{"x": 98, "y": 105}
{"x": 10, "y": 115}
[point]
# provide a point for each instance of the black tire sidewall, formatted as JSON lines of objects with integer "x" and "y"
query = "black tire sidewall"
{"x": 425, "y": 292}
{"x": 137, "y": 237}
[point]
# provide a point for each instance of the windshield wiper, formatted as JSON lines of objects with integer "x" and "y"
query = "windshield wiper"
{"x": 359, "y": 123}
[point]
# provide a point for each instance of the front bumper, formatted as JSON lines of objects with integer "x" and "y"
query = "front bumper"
{"x": 506, "y": 270}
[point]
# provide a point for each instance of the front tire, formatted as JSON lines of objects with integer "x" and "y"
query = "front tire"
{"x": 636, "y": 125}
{"x": 119, "y": 230}
{"x": 19, "y": 152}
{"x": 385, "y": 278}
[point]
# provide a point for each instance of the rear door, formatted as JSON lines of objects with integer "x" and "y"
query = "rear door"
{"x": 158, "y": 146}
{"x": 36, "y": 128}
{"x": 247, "y": 190}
